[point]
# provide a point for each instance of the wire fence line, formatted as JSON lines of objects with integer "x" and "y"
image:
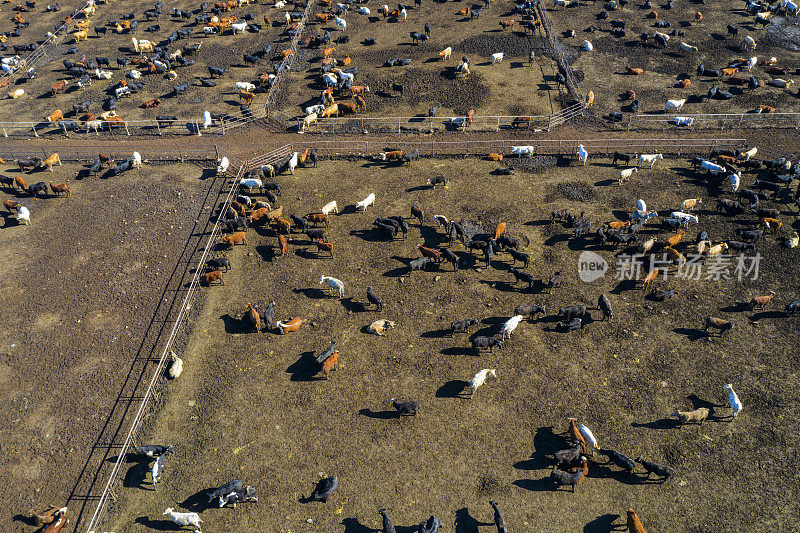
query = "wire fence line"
{"x": 572, "y": 84}
{"x": 42, "y": 51}
{"x": 710, "y": 121}
{"x": 339, "y": 147}
{"x": 87, "y": 154}
{"x": 158, "y": 376}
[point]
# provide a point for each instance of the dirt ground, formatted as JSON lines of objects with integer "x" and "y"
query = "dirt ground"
{"x": 509, "y": 88}
{"x": 249, "y": 405}
{"x": 218, "y": 50}
{"x": 78, "y": 290}
{"x": 603, "y": 69}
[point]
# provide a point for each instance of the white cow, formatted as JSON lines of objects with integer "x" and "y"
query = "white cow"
{"x": 330, "y": 207}
{"x": 587, "y": 46}
{"x": 625, "y": 174}
{"x": 341, "y": 23}
{"x": 751, "y": 63}
{"x": 497, "y": 58}
{"x": 136, "y": 159}
{"x": 733, "y": 400}
{"x": 183, "y": 519}
{"x": 519, "y": 151}
{"x": 314, "y": 109}
{"x": 364, "y": 11}
{"x": 480, "y": 378}
{"x": 333, "y": 284}
{"x": 750, "y": 153}
{"x": 239, "y": 27}
{"x": 307, "y": 121}
{"x": 206, "y": 119}
{"x": 588, "y": 436}
{"x": 649, "y": 159}
{"x": 23, "y": 215}
{"x": 511, "y": 325}
{"x": 293, "y": 162}
{"x": 224, "y": 163}
{"x": 735, "y": 180}
{"x": 683, "y": 121}
{"x": 252, "y": 183}
{"x": 245, "y": 86}
{"x": 676, "y": 105}
{"x": 685, "y": 218}
{"x": 688, "y": 48}
{"x": 748, "y": 43}
{"x": 781, "y": 83}
{"x": 641, "y": 205}
{"x": 712, "y": 168}
{"x": 366, "y": 202}
{"x": 583, "y": 155}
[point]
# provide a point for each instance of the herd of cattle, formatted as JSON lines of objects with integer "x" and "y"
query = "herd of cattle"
{"x": 571, "y": 465}
{"x": 19, "y": 186}
{"x": 149, "y": 63}
{"x": 738, "y": 73}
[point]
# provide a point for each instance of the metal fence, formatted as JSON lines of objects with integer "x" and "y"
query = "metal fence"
{"x": 83, "y": 154}
{"x": 432, "y": 124}
{"x": 42, "y": 51}
{"x": 712, "y": 121}
{"x": 158, "y": 375}
{"x": 572, "y": 84}
{"x": 678, "y": 146}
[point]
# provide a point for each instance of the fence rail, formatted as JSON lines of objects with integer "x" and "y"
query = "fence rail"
{"x": 712, "y": 121}
{"x": 108, "y": 493}
{"x": 572, "y": 84}
{"x": 83, "y": 154}
{"x": 541, "y": 146}
{"x": 42, "y": 51}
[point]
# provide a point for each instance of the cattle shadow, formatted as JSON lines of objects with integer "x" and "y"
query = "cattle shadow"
{"x": 314, "y": 293}
{"x": 369, "y": 235}
{"x": 534, "y": 485}
{"x": 691, "y": 334}
{"x": 352, "y": 525}
{"x": 661, "y": 423}
{"x": 545, "y": 444}
{"x": 305, "y": 368}
{"x": 380, "y": 415}
{"x": 156, "y": 525}
{"x": 624, "y": 285}
{"x": 25, "y": 519}
{"x": 458, "y": 350}
{"x": 235, "y": 325}
{"x": 267, "y": 253}
{"x": 465, "y": 523}
{"x": 604, "y": 524}
{"x": 136, "y": 475}
{"x": 436, "y": 333}
{"x": 604, "y": 471}
{"x": 455, "y": 388}
{"x": 354, "y": 306}
{"x": 767, "y": 314}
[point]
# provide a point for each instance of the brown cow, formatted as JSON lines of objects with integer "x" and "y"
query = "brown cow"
{"x": 58, "y": 87}
{"x": 253, "y": 317}
{"x": 292, "y": 325}
{"x": 50, "y": 161}
{"x": 430, "y": 253}
{"x": 236, "y": 238}
{"x": 635, "y": 71}
{"x": 55, "y": 116}
{"x": 259, "y": 214}
{"x": 347, "y": 108}
{"x": 394, "y": 155}
{"x": 283, "y": 245}
{"x": 360, "y": 103}
{"x": 58, "y": 188}
{"x": 11, "y": 205}
{"x": 283, "y": 225}
{"x": 246, "y": 96}
{"x": 209, "y": 277}
{"x": 495, "y": 157}
{"x": 317, "y": 218}
{"x": 239, "y": 208}
{"x": 329, "y": 363}
{"x": 152, "y": 103}
{"x": 323, "y": 246}
{"x": 506, "y": 24}
{"x": 20, "y": 181}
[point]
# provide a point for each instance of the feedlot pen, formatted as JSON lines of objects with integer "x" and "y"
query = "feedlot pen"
{"x": 603, "y": 69}
{"x": 250, "y": 406}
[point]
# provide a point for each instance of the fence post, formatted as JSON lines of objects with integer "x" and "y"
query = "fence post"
{"x": 223, "y": 125}
{"x": 197, "y": 128}
{"x": 498, "y": 124}
{"x": 398, "y": 125}
{"x": 34, "y": 131}
{"x": 126, "y": 129}
{"x": 5, "y": 133}
{"x": 216, "y": 152}
{"x": 158, "y": 127}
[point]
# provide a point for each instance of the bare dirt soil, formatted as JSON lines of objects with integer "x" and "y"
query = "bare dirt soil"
{"x": 510, "y": 88}
{"x": 604, "y": 68}
{"x": 78, "y": 292}
{"x": 218, "y": 50}
{"x": 250, "y": 406}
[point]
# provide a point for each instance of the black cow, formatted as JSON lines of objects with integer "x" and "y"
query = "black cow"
{"x": 479, "y": 343}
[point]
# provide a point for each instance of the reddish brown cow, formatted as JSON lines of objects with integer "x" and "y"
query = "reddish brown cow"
{"x": 317, "y": 218}
{"x": 209, "y": 277}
